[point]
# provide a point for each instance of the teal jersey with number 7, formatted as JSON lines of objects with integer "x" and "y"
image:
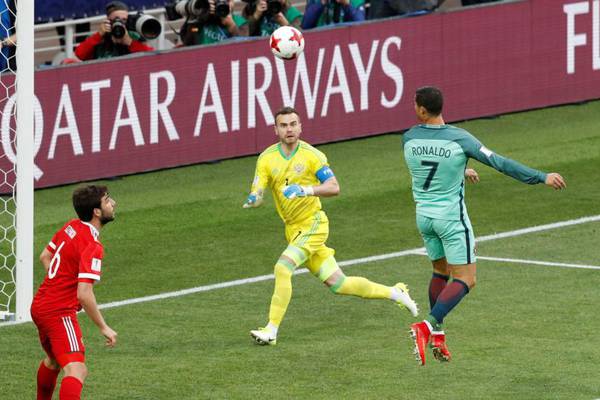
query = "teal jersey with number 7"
{"x": 437, "y": 157}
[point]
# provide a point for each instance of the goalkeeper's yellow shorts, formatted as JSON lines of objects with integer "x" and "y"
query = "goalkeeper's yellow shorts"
{"x": 310, "y": 235}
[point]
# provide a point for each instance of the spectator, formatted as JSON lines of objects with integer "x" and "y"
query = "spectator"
{"x": 391, "y": 8}
{"x": 326, "y": 12}
{"x": 103, "y": 44}
{"x": 210, "y": 28}
{"x": 264, "y": 16}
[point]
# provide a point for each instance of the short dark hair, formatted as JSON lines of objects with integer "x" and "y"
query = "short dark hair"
{"x": 286, "y": 111}
{"x": 86, "y": 199}
{"x": 431, "y": 98}
{"x": 115, "y": 5}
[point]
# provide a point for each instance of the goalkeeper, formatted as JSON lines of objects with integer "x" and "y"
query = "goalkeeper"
{"x": 298, "y": 174}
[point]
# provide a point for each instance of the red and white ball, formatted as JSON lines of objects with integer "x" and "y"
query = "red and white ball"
{"x": 287, "y": 42}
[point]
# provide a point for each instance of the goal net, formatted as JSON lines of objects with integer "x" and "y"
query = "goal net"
{"x": 16, "y": 160}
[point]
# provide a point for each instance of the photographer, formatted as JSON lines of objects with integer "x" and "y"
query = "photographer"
{"x": 104, "y": 43}
{"x": 212, "y": 24}
{"x": 265, "y": 16}
{"x": 326, "y": 12}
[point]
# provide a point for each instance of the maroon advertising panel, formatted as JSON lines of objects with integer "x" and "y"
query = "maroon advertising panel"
{"x": 191, "y": 105}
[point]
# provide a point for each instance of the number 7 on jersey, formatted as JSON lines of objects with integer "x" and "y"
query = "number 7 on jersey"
{"x": 434, "y": 167}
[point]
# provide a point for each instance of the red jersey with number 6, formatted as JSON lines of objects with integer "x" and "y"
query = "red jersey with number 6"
{"x": 77, "y": 257}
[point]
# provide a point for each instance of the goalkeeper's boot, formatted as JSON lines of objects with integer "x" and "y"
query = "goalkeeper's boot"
{"x": 264, "y": 337}
{"x": 439, "y": 347}
{"x": 420, "y": 332}
{"x": 404, "y": 300}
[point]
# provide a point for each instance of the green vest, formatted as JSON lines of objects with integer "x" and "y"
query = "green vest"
{"x": 268, "y": 25}
{"x": 213, "y": 33}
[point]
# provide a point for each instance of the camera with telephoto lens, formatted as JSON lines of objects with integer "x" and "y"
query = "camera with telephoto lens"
{"x": 195, "y": 8}
{"x": 118, "y": 28}
{"x": 273, "y": 6}
{"x": 147, "y": 26}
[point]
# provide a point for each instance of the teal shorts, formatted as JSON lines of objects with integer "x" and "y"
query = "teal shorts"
{"x": 451, "y": 239}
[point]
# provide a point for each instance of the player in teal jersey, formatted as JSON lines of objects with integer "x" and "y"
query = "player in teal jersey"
{"x": 436, "y": 155}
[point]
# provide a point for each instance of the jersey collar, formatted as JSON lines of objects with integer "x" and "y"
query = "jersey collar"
{"x": 432, "y": 126}
{"x": 291, "y": 154}
{"x": 93, "y": 230}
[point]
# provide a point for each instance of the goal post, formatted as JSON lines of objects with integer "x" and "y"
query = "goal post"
{"x": 19, "y": 297}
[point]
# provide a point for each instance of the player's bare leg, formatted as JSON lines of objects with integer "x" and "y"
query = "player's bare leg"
{"x": 46, "y": 378}
{"x": 72, "y": 382}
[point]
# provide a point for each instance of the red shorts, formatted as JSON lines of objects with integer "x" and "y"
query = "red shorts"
{"x": 60, "y": 337}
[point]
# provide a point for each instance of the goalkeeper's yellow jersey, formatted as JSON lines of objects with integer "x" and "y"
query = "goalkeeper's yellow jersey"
{"x": 275, "y": 170}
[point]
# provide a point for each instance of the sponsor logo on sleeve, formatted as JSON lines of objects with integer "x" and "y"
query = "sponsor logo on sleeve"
{"x": 488, "y": 153}
{"x": 96, "y": 264}
{"x": 70, "y": 231}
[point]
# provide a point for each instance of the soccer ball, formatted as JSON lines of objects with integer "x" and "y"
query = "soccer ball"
{"x": 287, "y": 42}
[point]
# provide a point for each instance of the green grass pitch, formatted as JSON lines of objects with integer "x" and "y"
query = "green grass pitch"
{"x": 525, "y": 332}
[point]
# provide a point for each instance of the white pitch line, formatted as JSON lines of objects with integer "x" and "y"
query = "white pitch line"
{"x": 538, "y": 228}
{"x": 245, "y": 281}
{"x": 535, "y": 262}
{"x": 532, "y": 262}
{"x": 347, "y": 263}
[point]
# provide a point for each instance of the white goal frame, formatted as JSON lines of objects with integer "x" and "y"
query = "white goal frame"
{"x": 25, "y": 154}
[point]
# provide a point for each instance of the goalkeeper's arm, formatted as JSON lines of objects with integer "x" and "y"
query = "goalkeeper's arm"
{"x": 254, "y": 199}
{"x": 329, "y": 188}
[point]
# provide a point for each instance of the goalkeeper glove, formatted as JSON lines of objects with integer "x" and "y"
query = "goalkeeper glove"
{"x": 293, "y": 191}
{"x": 253, "y": 200}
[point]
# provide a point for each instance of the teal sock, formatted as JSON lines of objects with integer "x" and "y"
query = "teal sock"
{"x": 434, "y": 323}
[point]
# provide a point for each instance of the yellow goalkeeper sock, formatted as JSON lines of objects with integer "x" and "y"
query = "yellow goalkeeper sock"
{"x": 281, "y": 295}
{"x": 291, "y": 259}
{"x": 362, "y": 287}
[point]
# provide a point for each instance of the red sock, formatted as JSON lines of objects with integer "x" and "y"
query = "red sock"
{"x": 46, "y": 382}
{"x": 436, "y": 286}
{"x": 70, "y": 388}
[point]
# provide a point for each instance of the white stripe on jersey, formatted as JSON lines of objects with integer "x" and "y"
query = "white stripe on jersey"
{"x": 52, "y": 246}
{"x": 89, "y": 276}
{"x": 71, "y": 333}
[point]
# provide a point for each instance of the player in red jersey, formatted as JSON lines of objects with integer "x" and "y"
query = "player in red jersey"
{"x": 73, "y": 261}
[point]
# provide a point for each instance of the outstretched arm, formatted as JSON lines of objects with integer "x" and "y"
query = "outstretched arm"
{"x": 555, "y": 180}
{"x": 475, "y": 149}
